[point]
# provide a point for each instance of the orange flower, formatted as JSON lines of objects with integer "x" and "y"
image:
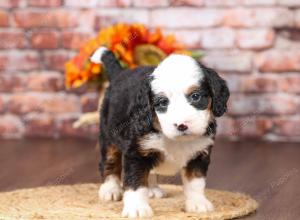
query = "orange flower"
{"x": 155, "y": 36}
{"x": 122, "y": 40}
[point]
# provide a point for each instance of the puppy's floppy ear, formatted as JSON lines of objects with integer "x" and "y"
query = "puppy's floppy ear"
{"x": 141, "y": 110}
{"x": 218, "y": 89}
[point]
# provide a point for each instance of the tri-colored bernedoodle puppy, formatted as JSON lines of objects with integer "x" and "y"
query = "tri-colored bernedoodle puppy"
{"x": 158, "y": 120}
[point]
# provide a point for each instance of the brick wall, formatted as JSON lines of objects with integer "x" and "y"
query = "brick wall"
{"x": 254, "y": 44}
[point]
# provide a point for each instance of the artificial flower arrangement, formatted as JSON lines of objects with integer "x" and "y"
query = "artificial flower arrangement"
{"x": 132, "y": 44}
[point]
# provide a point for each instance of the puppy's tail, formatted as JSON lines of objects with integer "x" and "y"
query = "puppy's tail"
{"x": 107, "y": 58}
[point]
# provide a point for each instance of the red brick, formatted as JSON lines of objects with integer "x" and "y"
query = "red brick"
{"x": 150, "y": 3}
{"x": 56, "y": 60}
{"x": 267, "y": 104}
{"x": 66, "y": 129}
{"x": 233, "y": 81}
{"x": 264, "y": 83}
{"x": 67, "y": 18}
{"x": 252, "y": 126}
{"x": 106, "y": 17}
{"x": 11, "y": 127}
{"x": 12, "y": 40}
{"x": 297, "y": 18}
{"x": 218, "y": 38}
{"x": 39, "y": 102}
{"x": 229, "y": 61}
{"x": 19, "y": 60}
{"x": 188, "y": 17}
{"x": 86, "y": 20}
{"x": 285, "y": 42}
{"x": 4, "y": 20}
{"x": 260, "y": 2}
{"x": 45, "y": 81}
{"x": 226, "y": 126}
{"x": 73, "y": 40}
{"x": 255, "y": 38}
{"x": 11, "y": 3}
{"x": 12, "y": 83}
{"x": 44, "y": 3}
{"x": 278, "y": 61}
{"x": 290, "y": 83}
{"x": 189, "y": 38}
{"x": 287, "y": 127}
{"x": 89, "y": 102}
{"x": 101, "y": 3}
{"x": 223, "y": 2}
{"x": 44, "y": 40}
{"x": 113, "y": 3}
{"x": 81, "y": 3}
{"x": 92, "y": 3}
{"x": 53, "y": 18}
{"x": 2, "y": 104}
{"x": 258, "y": 17}
{"x": 30, "y": 19}
{"x": 39, "y": 125}
{"x": 259, "y": 84}
{"x": 290, "y": 3}
{"x": 187, "y": 2}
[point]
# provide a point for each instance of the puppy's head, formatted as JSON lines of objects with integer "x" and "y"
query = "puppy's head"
{"x": 186, "y": 97}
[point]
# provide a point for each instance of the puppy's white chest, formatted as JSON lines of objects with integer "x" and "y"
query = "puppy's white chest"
{"x": 176, "y": 153}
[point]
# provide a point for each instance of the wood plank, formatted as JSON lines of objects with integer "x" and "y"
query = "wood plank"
{"x": 270, "y": 172}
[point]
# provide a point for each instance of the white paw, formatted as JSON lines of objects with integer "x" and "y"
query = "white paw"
{"x": 110, "y": 191}
{"x": 142, "y": 210}
{"x": 201, "y": 204}
{"x": 136, "y": 204}
{"x": 156, "y": 192}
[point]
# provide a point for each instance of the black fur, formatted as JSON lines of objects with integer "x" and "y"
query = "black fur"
{"x": 204, "y": 100}
{"x": 138, "y": 165}
{"x": 218, "y": 91}
{"x": 127, "y": 115}
{"x": 131, "y": 113}
{"x": 211, "y": 129}
{"x": 111, "y": 64}
{"x": 158, "y": 100}
{"x": 198, "y": 166}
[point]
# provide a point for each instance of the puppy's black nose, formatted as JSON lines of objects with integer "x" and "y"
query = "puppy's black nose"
{"x": 182, "y": 127}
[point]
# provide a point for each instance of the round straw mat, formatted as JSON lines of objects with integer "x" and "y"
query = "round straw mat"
{"x": 81, "y": 202}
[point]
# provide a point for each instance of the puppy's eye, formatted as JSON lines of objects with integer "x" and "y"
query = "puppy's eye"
{"x": 199, "y": 99}
{"x": 195, "y": 96}
{"x": 163, "y": 102}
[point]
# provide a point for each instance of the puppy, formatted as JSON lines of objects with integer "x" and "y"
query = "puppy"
{"x": 159, "y": 120}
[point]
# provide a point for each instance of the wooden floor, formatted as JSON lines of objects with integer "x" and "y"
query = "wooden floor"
{"x": 270, "y": 172}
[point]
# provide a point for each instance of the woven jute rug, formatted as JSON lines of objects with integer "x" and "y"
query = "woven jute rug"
{"x": 72, "y": 202}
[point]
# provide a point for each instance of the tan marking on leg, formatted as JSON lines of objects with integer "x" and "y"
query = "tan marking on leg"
{"x": 113, "y": 164}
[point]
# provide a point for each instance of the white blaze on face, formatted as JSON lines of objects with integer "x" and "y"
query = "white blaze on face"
{"x": 175, "y": 74}
{"x": 173, "y": 78}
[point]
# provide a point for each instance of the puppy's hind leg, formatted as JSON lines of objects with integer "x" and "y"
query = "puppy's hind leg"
{"x": 154, "y": 190}
{"x": 111, "y": 168}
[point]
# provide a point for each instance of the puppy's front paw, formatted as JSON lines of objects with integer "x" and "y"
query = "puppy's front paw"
{"x": 110, "y": 191}
{"x": 156, "y": 192}
{"x": 142, "y": 210}
{"x": 198, "y": 205}
{"x": 136, "y": 204}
